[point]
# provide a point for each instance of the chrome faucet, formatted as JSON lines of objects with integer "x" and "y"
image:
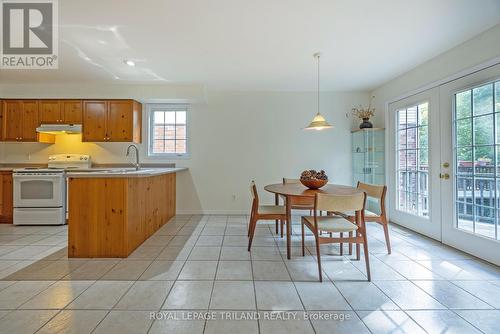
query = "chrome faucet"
{"x": 137, "y": 164}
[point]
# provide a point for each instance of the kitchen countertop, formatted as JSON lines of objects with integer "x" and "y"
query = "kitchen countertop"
{"x": 123, "y": 172}
{"x": 9, "y": 167}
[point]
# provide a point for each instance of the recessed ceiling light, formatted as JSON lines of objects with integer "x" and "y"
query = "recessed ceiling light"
{"x": 129, "y": 62}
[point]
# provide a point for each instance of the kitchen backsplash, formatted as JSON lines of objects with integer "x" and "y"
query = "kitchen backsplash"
{"x": 102, "y": 153}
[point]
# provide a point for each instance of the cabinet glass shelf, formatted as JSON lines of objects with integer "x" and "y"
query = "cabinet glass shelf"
{"x": 368, "y": 155}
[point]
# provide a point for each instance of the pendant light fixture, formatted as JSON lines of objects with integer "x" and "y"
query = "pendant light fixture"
{"x": 318, "y": 122}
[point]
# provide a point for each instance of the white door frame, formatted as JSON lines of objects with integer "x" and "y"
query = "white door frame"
{"x": 431, "y": 225}
{"x": 479, "y": 246}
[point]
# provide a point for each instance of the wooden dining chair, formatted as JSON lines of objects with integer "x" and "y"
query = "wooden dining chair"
{"x": 298, "y": 203}
{"x": 338, "y": 224}
{"x": 378, "y": 193}
{"x": 262, "y": 212}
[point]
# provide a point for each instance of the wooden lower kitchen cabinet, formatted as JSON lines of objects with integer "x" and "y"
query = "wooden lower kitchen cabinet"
{"x": 6, "y": 197}
{"x": 110, "y": 216}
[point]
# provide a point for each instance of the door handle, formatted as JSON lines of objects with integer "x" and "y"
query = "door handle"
{"x": 445, "y": 176}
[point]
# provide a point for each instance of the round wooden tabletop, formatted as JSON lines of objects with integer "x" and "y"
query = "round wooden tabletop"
{"x": 299, "y": 190}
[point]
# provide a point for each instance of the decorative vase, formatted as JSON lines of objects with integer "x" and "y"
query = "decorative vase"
{"x": 366, "y": 124}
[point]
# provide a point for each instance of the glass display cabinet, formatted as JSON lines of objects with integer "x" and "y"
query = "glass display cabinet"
{"x": 368, "y": 156}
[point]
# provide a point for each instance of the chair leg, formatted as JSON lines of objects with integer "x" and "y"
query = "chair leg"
{"x": 318, "y": 256}
{"x": 341, "y": 244}
{"x": 350, "y": 244}
{"x": 367, "y": 260}
{"x": 303, "y": 236}
{"x": 386, "y": 232}
{"x": 276, "y": 222}
{"x": 357, "y": 247}
{"x": 253, "y": 223}
{"x": 282, "y": 223}
{"x": 250, "y": 224}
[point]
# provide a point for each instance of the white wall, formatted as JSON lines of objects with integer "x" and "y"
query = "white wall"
{"x": 475, "y": 51}
{"x": 234, "y": 137}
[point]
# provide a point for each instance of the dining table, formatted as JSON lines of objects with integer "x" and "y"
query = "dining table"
{"x": 297, "y": 191}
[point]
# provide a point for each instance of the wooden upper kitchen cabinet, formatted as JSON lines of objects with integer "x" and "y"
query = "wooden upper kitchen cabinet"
{"x": 71, "y": 111}
{"x": 60, "y": 112}
{"x": 11, "y": 120}
{"x": 94, "y": 121}
{"x": 30, "y": 120}
{"x": 50, "y": 111}
{"x": 20, "y": 120}
{"x": 112, "y": 121}
{"x": 6, "y": 197}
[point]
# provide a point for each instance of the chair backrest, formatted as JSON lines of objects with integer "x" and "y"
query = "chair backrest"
{"x": 340, "y": 203}
{"x": 292, "y": 181}
{"x": 372, "y": 190}
{"x": 255, "y": 195}
{"x": 375, "y": 191}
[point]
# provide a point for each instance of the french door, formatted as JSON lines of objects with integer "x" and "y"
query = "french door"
{"x": 471, "y": 144}
{"x": 444, "y": 163}
{"x": 413, "y": 176}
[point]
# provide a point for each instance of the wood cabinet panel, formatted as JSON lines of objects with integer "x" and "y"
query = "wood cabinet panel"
{"x": 112, "y": 121}
{"x": 12, "y": 120}
{"x": 119, "y": 123}
{"x": 6, "y": 197}
{"x": 100, "y": 205}
{"x": 50, "y": 111}
{"x": 94, "y": 121}
{"x": 30, "y": 120}
{"x": 72, "y": 111}
{"x": 137, "y": 122}
{"x": 111, "y": 217}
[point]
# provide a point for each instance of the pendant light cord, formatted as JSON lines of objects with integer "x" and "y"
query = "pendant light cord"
{"x": 317, "y": 56}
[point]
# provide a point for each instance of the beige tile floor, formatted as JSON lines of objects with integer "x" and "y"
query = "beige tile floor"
{"x": 196, "y": 265}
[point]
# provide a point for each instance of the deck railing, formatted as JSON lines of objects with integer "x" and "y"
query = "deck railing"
{"x": 478, "y": 190}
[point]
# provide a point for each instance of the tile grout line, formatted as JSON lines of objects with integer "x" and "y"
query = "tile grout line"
{"x": 215, "y": 277}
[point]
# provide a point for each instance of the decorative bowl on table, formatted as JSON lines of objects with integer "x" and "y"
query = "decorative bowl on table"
{"x": 313, "y": 179}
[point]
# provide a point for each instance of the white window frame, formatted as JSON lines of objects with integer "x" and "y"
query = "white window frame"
{"x": 151, "y": 108}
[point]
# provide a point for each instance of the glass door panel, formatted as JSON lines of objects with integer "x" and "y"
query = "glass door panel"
{"x": 470, "y": 142}
{"x": 415, "y": 203}
{"x": 413, "y": 160}
{"x": 475, "y": 150}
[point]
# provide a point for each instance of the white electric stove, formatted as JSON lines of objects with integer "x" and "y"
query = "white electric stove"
{"x": 40, "y": 193}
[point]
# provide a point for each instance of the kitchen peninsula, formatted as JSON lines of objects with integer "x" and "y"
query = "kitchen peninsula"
{"x": 112, "y": 212}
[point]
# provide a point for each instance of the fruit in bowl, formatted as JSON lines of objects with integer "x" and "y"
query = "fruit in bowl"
{"x": 313, "y": 179}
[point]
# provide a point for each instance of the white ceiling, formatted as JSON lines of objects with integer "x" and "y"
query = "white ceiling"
{"x": 256, "y": 44}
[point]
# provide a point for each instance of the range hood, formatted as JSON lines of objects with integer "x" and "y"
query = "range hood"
{"x": 56, "y": 129}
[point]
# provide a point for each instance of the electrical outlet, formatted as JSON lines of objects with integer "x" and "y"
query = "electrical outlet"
{"x": 234, "y": 197}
